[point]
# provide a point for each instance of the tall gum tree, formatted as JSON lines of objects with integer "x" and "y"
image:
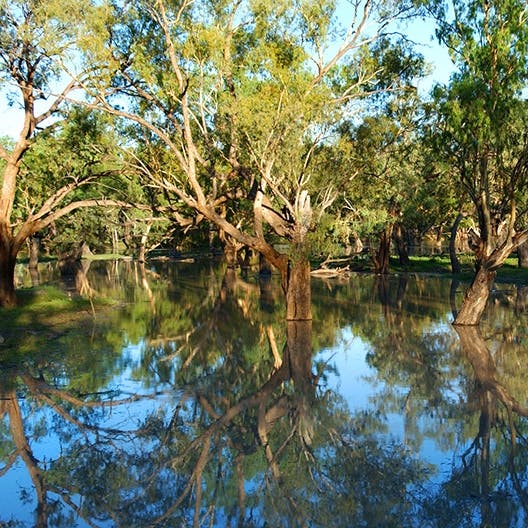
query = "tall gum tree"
{"x": 239, "y": 93}
{"x": 482, "y": 128}
{"x": 36, "y": 39}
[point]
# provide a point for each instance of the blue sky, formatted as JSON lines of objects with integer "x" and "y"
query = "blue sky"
{"x": 422, "y": 32}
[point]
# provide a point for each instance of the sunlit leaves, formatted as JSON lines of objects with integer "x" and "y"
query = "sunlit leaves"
{"x": 36, "y": 36}
{"x": 480, "y": 126}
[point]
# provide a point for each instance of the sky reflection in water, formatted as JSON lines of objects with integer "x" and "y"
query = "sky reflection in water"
{"x": 168, "y": 408}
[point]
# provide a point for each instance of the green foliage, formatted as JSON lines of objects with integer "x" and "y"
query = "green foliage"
{"x": 82, "y": 150}
{"x": 481, "y": 113}
{"x": 237, "y": 96}
{"x": 32, "y": 35}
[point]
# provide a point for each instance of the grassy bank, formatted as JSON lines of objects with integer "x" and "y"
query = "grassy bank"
{"x": 441, "y": 265}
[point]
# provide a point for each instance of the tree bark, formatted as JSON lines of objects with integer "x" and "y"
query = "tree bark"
{"x": 401, "y": 246}
{"x": 522, "y": 255}
{"x": 475, "y": 298}
{"x": 7, "y": 270}
{"x": 264, "y": 265}
{"x": 452, "y": 297}
{"x": 297, "y": 286}
{"x": 299, "y": 347}
{"x": 266, "y": 298}
{"x": 455, "y": 263}
{"x": 143, "y": 243}
{"x": 34, "y": 250}
{"x": 231, "y": 253}
{"x": 381, "y": 257}
{"x": 521, "y": 299}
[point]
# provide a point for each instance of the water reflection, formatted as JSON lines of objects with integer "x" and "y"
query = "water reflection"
{"x": 184, "y": 400}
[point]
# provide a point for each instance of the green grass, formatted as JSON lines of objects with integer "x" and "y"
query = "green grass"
{"x": 430, "y": 264}
{"x": 438, "y": 265}
{"x": 43, "y": 320}
{"x": 45, "y": 305}
{"x": 441, "y": 265}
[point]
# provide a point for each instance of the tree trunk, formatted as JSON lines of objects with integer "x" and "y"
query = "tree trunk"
{"x": 401, "y": 246}
{"x": 476, "y": 298}
{"x": 24, "y": 451}
{"x": 231, "y": 253}
{"x": 381, "y": 257}
{"x": 266, "y": 298}
{"x": 299, "y": 343}
{"x": 34, "y": 250}
{"x": 297, "y": 285}
{"x": 115, "y": 241}
{"x": 521, "y": 299}
{"x": 452, "y": 297}
{"x": 7, "y": 274}
{"x": 264, "y": 265}
{"x": 244, "y": 257}
{"x": 455, "y": 263}
{"x": 439, "y": 236}
{"x": 489, "y": 390}
{"x": 522, "y": 255}
{"x": 143, "y": 243}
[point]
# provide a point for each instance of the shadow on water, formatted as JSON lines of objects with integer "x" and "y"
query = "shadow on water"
{"x": 188, "y": 401}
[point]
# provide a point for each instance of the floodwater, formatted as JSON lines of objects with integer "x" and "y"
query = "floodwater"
{"x": 180, "y": 397}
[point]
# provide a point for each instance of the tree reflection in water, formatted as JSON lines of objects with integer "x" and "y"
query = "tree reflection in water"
{"x": 226, "y": 427}
{"x": 494, "y": 466}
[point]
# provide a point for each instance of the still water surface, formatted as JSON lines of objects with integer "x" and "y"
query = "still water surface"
{"x": 184, "y": 399}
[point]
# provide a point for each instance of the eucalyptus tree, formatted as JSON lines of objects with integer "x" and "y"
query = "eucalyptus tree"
{"x": 83, "y": 148}
{"x": 374, "y": 161}
{"x": 239, "y": 94}
{"x": 37, "y": 41}
{"x": 386, "y": 185}
{"x": 481, "y": 127}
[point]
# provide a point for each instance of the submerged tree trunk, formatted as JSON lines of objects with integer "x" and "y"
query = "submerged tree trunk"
{"x": 297, "y": 286}
{"x": 489, "y": 390}
{"x": 264, "y": 266}
{"x": 475, "y": 298}
{"x": 299, "y": 354}
{"x": 142, "y": 257}
{"x": 452, "y": 297}
{"x": 231, "y": 254}
{"x": 23, "y": 449}
{"x": 266, "y": 297}
{"x": 491, "y": 252}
